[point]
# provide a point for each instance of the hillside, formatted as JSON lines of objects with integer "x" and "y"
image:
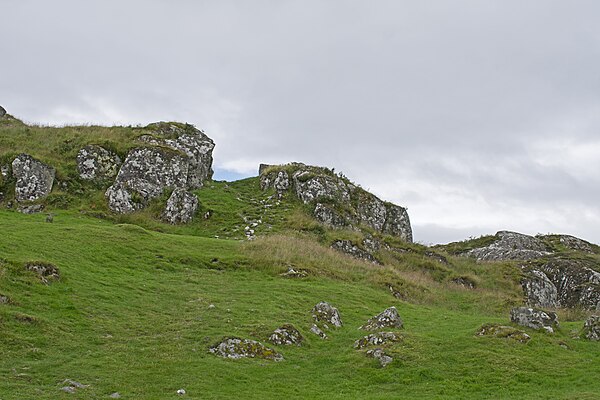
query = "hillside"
{"x": 136, "y": 302}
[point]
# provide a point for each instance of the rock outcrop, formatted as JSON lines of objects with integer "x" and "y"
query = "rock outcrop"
{"x": 236, "y": 348}
{"x": 562, "y": 282}
{"x": 501, "y": 331}
{"x": 511, "y": 246}
{"x": 570, "y": 242}
{"x": 335, "y": 200}
{"x": 286, "y": 335}
{"x": 389, "y": 318}
{"x": 534, "y": 318}
{"x": 591, "y": 328}
{"x": 347, "y": 247}
{"x": 145, "y": 174}
{"x": 96, "y": 163}
{"x": 175, "y": 156}
{"x": 324, "y": 313}
{"x": 34, "y": 179}
{"x": 181, "y": 207}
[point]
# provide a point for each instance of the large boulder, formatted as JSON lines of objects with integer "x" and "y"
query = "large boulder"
{"x": 181, "y": 207}
{"x": 236, "y": 348}
{"x": 389, "y": 318}
{"x": 192, "y": 142}
{"x": 562, "y": 282}
{"x": 511, "y": 246}
{"x": 145, "y": 174}
{"x": 591, "y": 328}
{"x": 34, "y": 179}
{"x": 337, "y": 202}
{"x": 96, "y": 163}
{"x": 534, "y": 318}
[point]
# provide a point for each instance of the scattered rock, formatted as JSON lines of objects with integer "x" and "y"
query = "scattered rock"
{"x": 380, "y": 356}
{"x": 240, "y": 348}
{"x": 145, "y": 174}
{"x": 211, "y": 306}
{"x": 315, "y": 329}
{"x": 34, "y": 179}
{"x": 97, "y": 163}
{"x": 45, "y": 271}
{"x": 286, "y": 335}
{"x": 376, "y": 339}
{"x": 464, "y": 281}
{"x": 181, "y": 207}
{"x": 534, "y": 318}
{"x": 72, "y": 386}
{"x": 388, "y": 318}
{"x": 4, "y": 299}
{"x": 511, "y": 246}
{"x": 31, "y": 209}
{"x": 181, "y": 392}
{"x": 591, "y": 328}
{"x": 502, "y": 331}
{"x": 50, "y": 218}
{"x": 115, "y": 395}
{"x": 325, "y": 313}
{"x": 68, "y": 389}
{"x": 347, "y": 247}
{"x": 294, "y": 273}
{"x": 562, "y": 282}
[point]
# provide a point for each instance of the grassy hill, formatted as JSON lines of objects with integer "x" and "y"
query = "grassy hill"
{"x": 131, "y": 312}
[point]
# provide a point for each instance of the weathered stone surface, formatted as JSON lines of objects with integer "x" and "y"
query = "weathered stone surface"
{"x": 34, "y": 179}
{"x": 379, "y": 355}
{"x": 145, "y": 174}
{"x": 2, "y": 112}
{"x": 376, "y": 339}
{"x": 97, "y": 163}
{"x": 534, "y": 318}
{"x": 591, "y": 328}
{"x": 570, "y": 242}
{"x": 576, "y": 281}
{"x": 30, "y": 209}
{"x": 347, "y": 247}
{"x": 502, "y": 331}
{"x": 325, "y": 313}
{"x": 338, "y": 202}
{"x": 236, "y": 348}
{"x": 465, "y": 282}
{"x": 317, "y": 331}
{"x": 45, "y": 271}
{"x": 181, "y": 207}
{"x": 389, "y": 318}
{"x": 191, "y": 141}
{"x": 286, "y": 335}
{"x": 511, "y": 246}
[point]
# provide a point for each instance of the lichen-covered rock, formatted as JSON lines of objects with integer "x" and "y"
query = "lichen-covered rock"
{"x": 569, "y": 242}
{"x": 97, "y": 163}
{"x": 317, "y": 331}
{"x": 325, "y": 314}
{"x": 379, "y": 355}
{"x": 389, "y": 318}
{"x": 376, "y": 339}
{"x": 191, "y": 141}
{"x": 502, "y": 331}
{"x": 145, "y": 174}
{"x": 576, "y": 280}
{"x": 30, "y": 209}
{"x": 464, "y": 281}
{"x": 34, "y": 179}
{"x": 237, "y": 348}
{"x": 2, "y": 112}
{"x": 539, "y": 290}
{"x": 338, "y": 202}
{"x": 591, "y": 328}
{"x": 286, "y": 335}
{"x": 511, "y": 246}
{"x": 534, "y": 318}
{"x": 181, "y": 207}
{"x": 347, "y": 247}
{"x": 46, "y": 272}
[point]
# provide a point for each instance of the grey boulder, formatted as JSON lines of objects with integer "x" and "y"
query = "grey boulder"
{"x": 286, "y": 335}
{"x": 326, "y": 314}
{"x": 34, "y": 179}
{"x": 389, "y": 318}
{"x": 591, "y": 328}
{"x": 97, "y": 163}
{"x": 511, "y": 246}
{"x": 534, "y": 318}
{"x": 181, "y": 207}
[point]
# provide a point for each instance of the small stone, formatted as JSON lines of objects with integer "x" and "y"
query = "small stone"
{"x": 115, "y": 395}
{"x": 294, "y": 273}
{"x": 75, "y": 384}
{"x": 534, "y": 318}
{"x": 315, "y": 329}
{"x": 181, "y": 392}
{"x": 286, "y": 335}
{"x": 379, "y": 355}
{"x": 376, "y": 339}
{"x": 45, "y": 271}
{"x": 68, "y": 389}
{"x": 211, "y": 306}
{"x": 324, "y": 313}
{"x": 388, "y": 318}
{"x": 50, "y": 218}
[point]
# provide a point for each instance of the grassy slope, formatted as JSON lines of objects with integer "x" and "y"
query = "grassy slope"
{"x": 131, "y": 315}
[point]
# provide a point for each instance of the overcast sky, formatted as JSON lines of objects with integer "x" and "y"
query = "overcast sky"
{"x": 476, "y": 115}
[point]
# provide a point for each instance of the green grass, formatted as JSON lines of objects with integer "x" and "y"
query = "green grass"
{"x": 130, "y": 314}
